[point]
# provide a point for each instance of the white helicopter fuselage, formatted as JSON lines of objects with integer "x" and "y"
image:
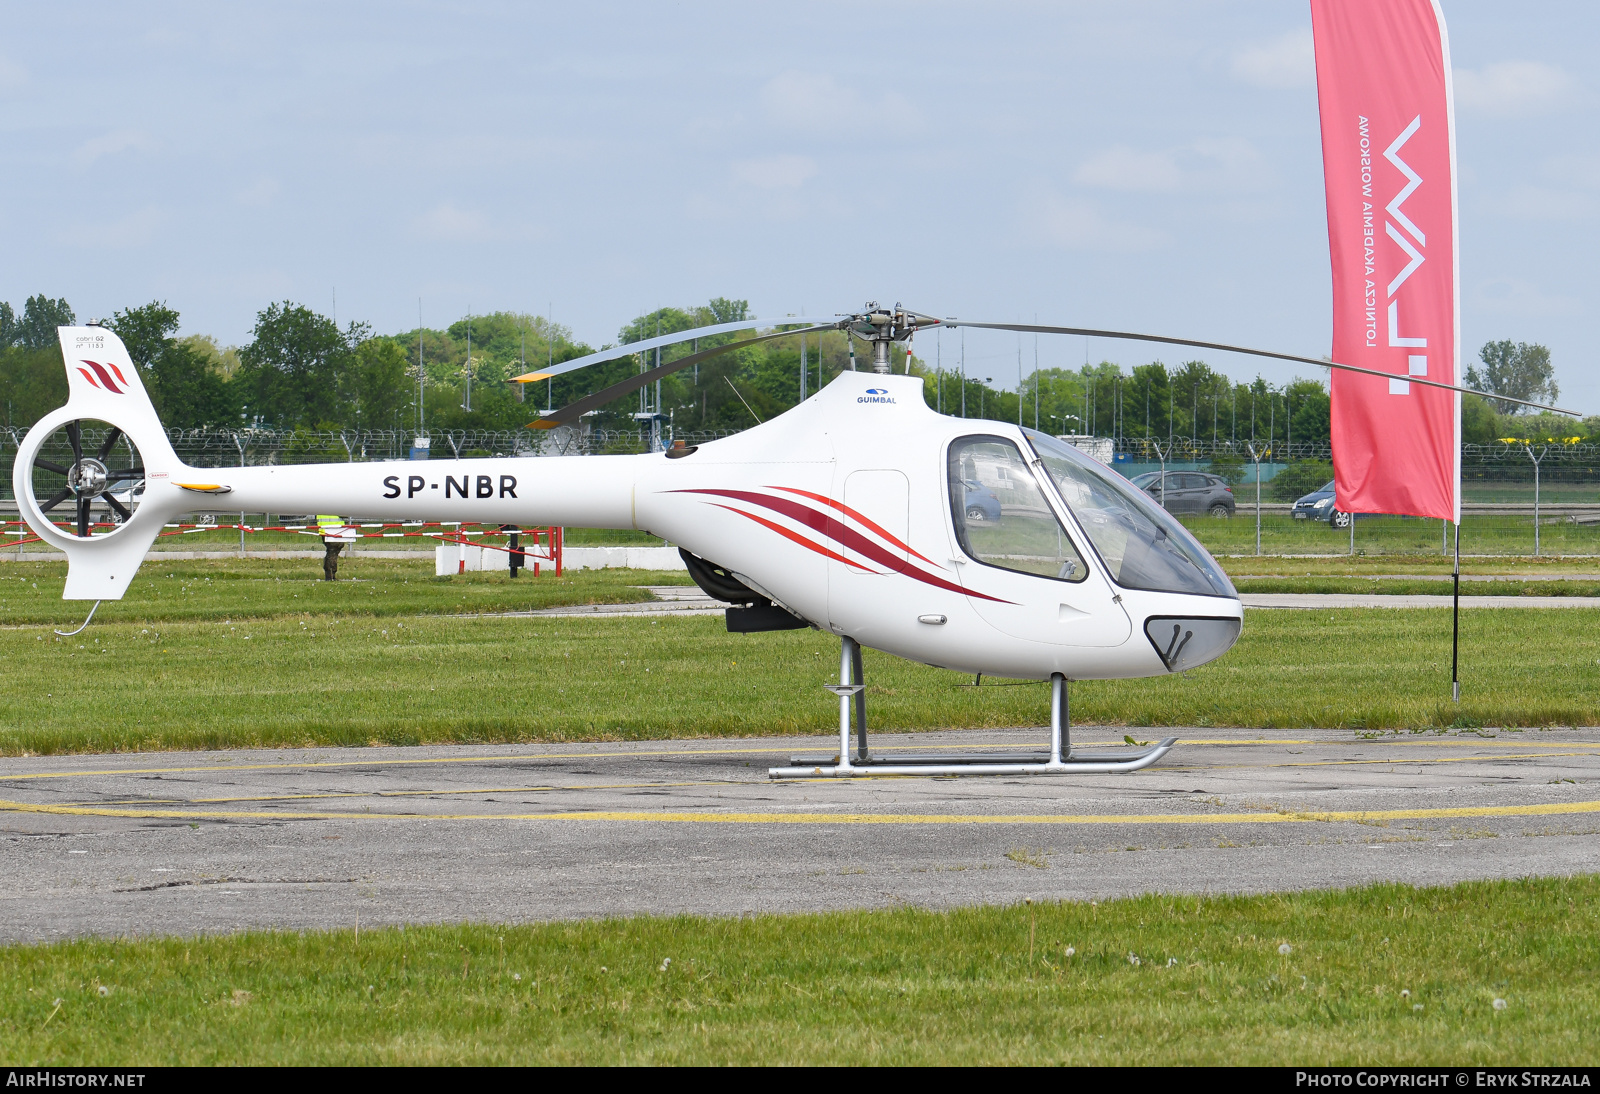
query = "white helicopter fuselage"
{"x": 839, "y": 511}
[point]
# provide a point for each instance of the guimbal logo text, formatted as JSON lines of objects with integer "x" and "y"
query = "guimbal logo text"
{"x": 875, "y": 395}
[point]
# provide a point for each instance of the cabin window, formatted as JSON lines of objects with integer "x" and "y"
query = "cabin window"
{"x": 1001, "y": 518}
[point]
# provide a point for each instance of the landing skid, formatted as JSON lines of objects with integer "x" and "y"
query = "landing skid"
{"x": 1062, "y": 759}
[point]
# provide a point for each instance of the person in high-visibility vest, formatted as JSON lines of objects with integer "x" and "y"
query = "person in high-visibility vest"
{"x": 335, "y": 534}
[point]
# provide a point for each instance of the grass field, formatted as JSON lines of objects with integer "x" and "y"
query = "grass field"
{"x": 226, "y": 539}
{"x": 1482, "y": 973}
{"x": 1419, "y": 585}
{"x": 269, "y": 656}
{"x": 1480, "y": 535}
{"x": 214, "y": 590}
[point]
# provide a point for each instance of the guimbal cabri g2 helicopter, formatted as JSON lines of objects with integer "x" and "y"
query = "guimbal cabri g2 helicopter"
{"x": 859, "y": 512}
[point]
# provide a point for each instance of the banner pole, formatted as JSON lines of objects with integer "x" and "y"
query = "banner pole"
{"x": 1455, "y": 624}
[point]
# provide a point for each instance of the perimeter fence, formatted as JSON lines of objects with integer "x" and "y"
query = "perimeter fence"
{"x": 1534, "y": 498}
{"x": 1519, "y": 498}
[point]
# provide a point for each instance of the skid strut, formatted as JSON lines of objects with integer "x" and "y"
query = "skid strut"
{"x": 1060, "y": 760}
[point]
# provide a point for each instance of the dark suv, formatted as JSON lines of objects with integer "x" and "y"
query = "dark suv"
{"x": 1189, "y": 493}
{"x": 1318, "y": 505}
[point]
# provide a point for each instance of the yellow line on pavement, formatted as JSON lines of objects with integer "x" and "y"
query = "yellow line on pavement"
{"x": 1429, "y": 760}
{"x": 463, "y": 791}
{"x": 1360, "y": 816}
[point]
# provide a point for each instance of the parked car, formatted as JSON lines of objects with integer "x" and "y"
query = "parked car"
{"x": 1189, "y": 493}
{"x": 981, "y": 503}
{"x": 1318, "y": 505}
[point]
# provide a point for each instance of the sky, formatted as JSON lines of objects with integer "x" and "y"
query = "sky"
{"x": 1151, "y": 166}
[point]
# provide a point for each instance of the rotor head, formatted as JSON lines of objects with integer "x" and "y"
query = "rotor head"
{"x": 881, "y": 326}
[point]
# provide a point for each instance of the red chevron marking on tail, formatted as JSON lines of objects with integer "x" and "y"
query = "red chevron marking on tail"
{"x": 106, "y": 381}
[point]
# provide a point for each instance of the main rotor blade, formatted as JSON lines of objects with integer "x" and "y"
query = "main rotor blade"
{"x": 75, "y": 435}
{"x": 1031, "y": 328}
{"x": 110, "y": 442}
{"x": 668, "y": 340}
{"x": 573, "y": 411}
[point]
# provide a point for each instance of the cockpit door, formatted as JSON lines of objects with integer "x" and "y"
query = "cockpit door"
{"x": 1022, "y": 570}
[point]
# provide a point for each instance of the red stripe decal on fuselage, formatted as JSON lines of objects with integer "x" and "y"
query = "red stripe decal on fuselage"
{"x": 787, "y": 534}
{"x": 89, "y": 377}
{"x": 843, "y": 508}
{"x": 840, "y": 533}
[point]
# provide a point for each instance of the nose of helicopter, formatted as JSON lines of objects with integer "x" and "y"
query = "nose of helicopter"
{"x": 1189, "y": 642}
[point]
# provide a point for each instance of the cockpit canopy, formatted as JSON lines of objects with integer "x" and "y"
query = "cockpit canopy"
{"x": 1002, "y": 520}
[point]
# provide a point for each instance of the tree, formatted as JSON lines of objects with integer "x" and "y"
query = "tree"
{"x": 1479, "y": 423}
{"x": 9, "y": 331}
{"x": 40, "y": 318}
{"x": 33, "y": 382}
{"x": 188, "y": 392}
{"x": 289, "y": 373}
{"x": 1312, "y": 413}
{"x": 376, "y": 386}
{"x": 1521, "y": 370}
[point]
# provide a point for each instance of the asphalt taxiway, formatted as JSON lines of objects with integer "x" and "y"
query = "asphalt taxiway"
{"x": 178, "y": 843}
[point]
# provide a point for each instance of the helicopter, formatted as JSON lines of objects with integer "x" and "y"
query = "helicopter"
{"x": 971, "y": 545}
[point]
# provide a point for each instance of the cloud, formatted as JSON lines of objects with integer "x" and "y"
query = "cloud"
{"x": 260, "y": 194}
{"x": 1080, "y": 226}
{"x": 1285, "y": 62}
{"x": 785, "y": 172}
{"x": 1509, "y": 89}
{"x": 1569, "y": 190}
{"x": 110, "y": 144}
{"x": 11, "y": 74}
{"x": 1123, "y": 168}
{"x": 1581, "y": 171}
{"x": 1215, "y": 163}
{"x": 1549, "y": 203}
{"x": 450, "y": 224}
{"x": 816, "y": 102}
{"x": 134, "y": 230}
{"x": 1513, "y": 297}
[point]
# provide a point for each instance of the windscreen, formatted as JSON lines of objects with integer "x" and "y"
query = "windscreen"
{"x": 1142, "y": 545}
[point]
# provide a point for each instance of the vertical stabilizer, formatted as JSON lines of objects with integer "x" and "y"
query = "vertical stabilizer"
{"x": 93, "y": 478}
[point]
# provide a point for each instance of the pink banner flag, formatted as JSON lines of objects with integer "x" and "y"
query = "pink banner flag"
{"x": 1388, "y": 154}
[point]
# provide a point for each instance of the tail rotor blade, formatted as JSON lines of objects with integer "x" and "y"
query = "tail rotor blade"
{"x": 122, "y": 510}
{"x": 83, "y": 517}
{"x": 109, "y": 443}
{"x": 55, "y": 499}
{"x": 75, "y": 435}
